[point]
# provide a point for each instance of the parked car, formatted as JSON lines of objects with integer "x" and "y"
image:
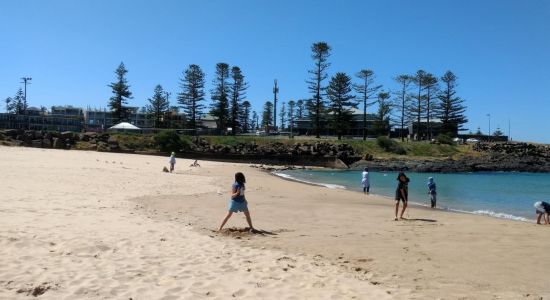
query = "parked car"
{"x": 472, "y": 140}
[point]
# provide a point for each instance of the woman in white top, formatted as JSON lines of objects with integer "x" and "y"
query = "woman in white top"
{"x": 365, "y": 181}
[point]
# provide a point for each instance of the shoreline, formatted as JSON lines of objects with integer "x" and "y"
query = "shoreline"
{"x": 490, "y": 214}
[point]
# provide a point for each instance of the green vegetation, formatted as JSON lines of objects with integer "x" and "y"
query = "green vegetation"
{"x": 444, "y": 139}
{"x": 169, "y": 141}
{"x": 381, "y": 147}
{"x": 390, "y": 145}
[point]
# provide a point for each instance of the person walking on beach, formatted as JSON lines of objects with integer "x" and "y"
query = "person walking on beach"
{"x": 365, "y": 181}
{"x": 172, "y": 161}
{"x": 238, "y": 201}
{"x": 432, "y": 191}
{"x": 401, "y": 194}
{"x": 543, "y": 208}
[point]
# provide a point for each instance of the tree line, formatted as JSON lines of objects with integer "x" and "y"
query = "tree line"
{"x": 420, "y": 98}
{"x": 228, "y": 106}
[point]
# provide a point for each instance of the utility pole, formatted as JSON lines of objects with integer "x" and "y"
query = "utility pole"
{"x": 275, "y": 91}
{"x": 26, "y": 80}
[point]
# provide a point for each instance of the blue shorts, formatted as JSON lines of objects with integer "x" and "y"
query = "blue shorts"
{"x": 235, "y": 206}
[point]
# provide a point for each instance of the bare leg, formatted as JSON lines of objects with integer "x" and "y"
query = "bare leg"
{"x": 403, "y": 209}
{"x": 364, "y": 190}
{"x": 225, "y": 220}
{"x": 248, "y": 219}
{"x": 396, "y": 208}
{"x": 546, "y": 219}
{"x": 538, "y": 218}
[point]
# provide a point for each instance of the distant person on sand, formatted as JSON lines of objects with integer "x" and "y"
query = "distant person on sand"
{"x": 238, "y": 201}
{"x": 401, "y": 194}
{"x": 365, "y": 181}
{"x": 195, "y": 164}
{"x": 172, "y": 161}
{"x": 432, "y": 191}
{"x": 543, "y": 208}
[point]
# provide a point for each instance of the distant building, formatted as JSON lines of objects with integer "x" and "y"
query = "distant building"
{"x": 305, "y": 126}
{"x": 99, "y": 120}
{"x": 426, "y": 132}
{"x": 62, "y": 118}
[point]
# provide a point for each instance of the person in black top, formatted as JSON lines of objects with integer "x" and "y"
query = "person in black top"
{"x": 401, "y": 194}
{"x": 543, "y": 208}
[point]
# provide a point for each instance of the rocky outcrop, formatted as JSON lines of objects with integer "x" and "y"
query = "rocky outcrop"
{"x": 57, "y": 140}
{"x": 514, "y": 149}
{"x": 486, "y": 163}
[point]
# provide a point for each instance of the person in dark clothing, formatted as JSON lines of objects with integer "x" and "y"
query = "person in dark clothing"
{"x": 432, "y": 191}
{"x": 542, "y": 208}
{"x": 401, "y": 194}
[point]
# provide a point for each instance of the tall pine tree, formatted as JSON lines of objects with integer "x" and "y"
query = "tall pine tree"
{"x": 220, "y": 105}
{"x": 237, "y": 92}
{"x": 291, "y": 114}
{"x": 382, "y": 121}
{"x": 417, "y": 108}
{"x": 283, "y": 116}
{"x": 121, "y": 94}
{"x": 300, "y": 108}
{"x": 451, "y": 108}
{"x": 431, "y": 87}
{"x": 320, "y": 53}
{"x": 20, "y": 103}
{"x": 366, "y": 89}
{"x": 341, "y": 101}
{"x": 158, "y": 106}
{"x": 192, "y": 94}
{"x": 245, "y": 116}
{"x": 401, "y": 101}
{"x": 267, "y": 114}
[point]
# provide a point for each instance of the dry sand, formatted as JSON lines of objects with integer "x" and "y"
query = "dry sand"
{"x": 100, "y": 225}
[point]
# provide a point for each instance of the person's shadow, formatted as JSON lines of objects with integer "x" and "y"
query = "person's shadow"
{"x": 420, "y": 220}
{"x": 242, "y": 231}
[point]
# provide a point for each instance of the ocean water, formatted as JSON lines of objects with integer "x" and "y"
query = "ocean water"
{"x": 496, "y": 194}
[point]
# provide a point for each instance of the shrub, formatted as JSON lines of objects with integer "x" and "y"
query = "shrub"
{"x": 390, "y": 145}
{"x": 444, "y": 139}
{"x": 169, "y": 141}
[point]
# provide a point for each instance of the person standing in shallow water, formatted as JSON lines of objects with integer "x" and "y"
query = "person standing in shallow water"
{"x": 542, "y": 209}
{"x": 365, "y": 181}
{"x": 238, "y": 201}
{"x": 432, "y": 191}
{"x": 401, "y": 194}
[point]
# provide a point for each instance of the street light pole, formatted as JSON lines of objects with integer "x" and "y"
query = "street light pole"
{"x": 26, "y": 80}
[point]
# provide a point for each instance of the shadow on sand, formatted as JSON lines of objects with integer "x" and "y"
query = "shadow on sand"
{"x": 242, "y": 232}
{"x": 420, "y": 220}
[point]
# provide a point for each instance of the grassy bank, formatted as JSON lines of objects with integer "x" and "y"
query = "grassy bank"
{"x": 414, "y": 150}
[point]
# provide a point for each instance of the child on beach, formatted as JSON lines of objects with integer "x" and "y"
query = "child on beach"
{"x": 543, "y": 208}
{"x": 432, "y": 191}
{"x": 172, "y": 161}
{"x": 365, "y": 181}
{"x": 401, "y": 194}
{"x": 238, "y": 201}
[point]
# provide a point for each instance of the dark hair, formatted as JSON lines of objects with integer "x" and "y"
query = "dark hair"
{"x": 239, "y": 177}
{"x": 402, "y": 174}
{"x": 367, "y": 169}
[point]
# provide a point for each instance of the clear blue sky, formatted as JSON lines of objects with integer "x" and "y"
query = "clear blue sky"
{"x": 500, "y": 50}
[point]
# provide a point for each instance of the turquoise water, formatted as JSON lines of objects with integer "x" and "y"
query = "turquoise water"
{"x": 498, "y": 194}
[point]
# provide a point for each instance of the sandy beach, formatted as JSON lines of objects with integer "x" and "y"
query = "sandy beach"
{"x": 90, "y": 225}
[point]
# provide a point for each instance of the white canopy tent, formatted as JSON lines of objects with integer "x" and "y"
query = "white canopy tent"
{"x": 124, "y": 126}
